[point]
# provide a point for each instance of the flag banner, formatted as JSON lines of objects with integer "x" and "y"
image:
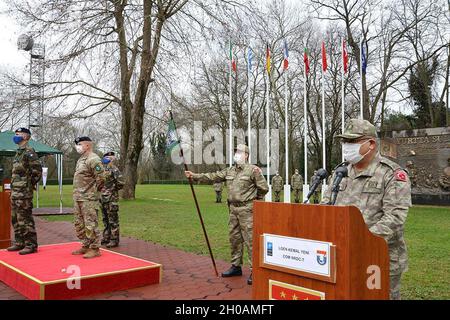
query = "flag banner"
{"x": 232, "y": 59}
{"x": 171, "y": 137}
{"x": 286, "y": 56}
{"x": 344, "y": 56}
{"x": 285, "y": 291}
{"x": 324, "y": 58}
{"x": 306, "y": 60}
{"x": 363, "y": 59}
{"x": 268, "y": 58}
{"x": 250, "y": 59}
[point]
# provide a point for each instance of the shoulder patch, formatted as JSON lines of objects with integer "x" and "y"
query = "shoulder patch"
{"x": 98, "y": 168}
{"x": 400, "y": 175}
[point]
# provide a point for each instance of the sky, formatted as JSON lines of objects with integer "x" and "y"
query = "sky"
{"x": 10, "y": 56}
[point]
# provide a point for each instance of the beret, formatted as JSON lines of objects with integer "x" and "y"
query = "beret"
{"x": 24, "y": 130}
{"x": 80, "y": 139}
{"x": 110, "y": 153}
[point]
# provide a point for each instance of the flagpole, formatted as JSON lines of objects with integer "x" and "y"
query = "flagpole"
{"x": 323, "y": 116}
{"x": 305, "y": 135}
{"x": 269, "y": 193}
{"x": 249, "y": 123}
{"x": 195, "y": 200}
{"x": 287, "y": 189}
{"x": 230, "y": 150}
{"x": 361, "y": 74}
{"x": 343, "y": 97}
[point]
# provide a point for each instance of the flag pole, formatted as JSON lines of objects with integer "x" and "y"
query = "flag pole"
{"x": 230, "y": 150}
{"x": 287, "y": 189}
{"x": 305, "y": 130}
{"x": 268, "y": 194}
{"x": 323, "y": 114}
{"x": 361, "y": 75}
{"x": 249, "y": 120}
{"x": 342, "y": 96}
{"x": 195, "y": 199}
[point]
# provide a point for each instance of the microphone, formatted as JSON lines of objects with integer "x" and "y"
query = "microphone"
{"x": 340, "y": 174}
{"x": 320, "y": 175}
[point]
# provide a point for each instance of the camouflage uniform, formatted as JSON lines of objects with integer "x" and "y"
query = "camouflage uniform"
{"x": 110, "y": 203}
{"x": 26, "y": 173}
{"x": 277, "y": 183}
{"x": 244, "y": 183}
{"x": 218, "y": 187}
{"x": 382, "y": 192}
{"x": 297, "y": 186}
{"x": 89, "y": 178}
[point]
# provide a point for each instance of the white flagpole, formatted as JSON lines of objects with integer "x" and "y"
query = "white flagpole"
{"x": 249, "y": 123}
{"x": 287, "y": 188}
{"x": 361, "y": 75}
{"x": 343, "y": 97}
{"x": 269, "y": 193}
{"x": 324, "y": 160}
{"x": 305, "y": 136}
{"x": 231, "y": 111}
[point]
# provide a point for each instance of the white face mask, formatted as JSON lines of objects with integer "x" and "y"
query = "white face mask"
{"x": 351, "y": 152}
{"x": 239, "y": 158}
{"x": 79, "y": 149}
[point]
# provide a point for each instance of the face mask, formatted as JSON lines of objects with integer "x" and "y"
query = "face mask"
{"x": 106, "y": 160}
{"x": 17, "y": 139}
{"x": 351, "y": 152}
{"x": 79, "y": 149}
{"x": 238, "y": 158}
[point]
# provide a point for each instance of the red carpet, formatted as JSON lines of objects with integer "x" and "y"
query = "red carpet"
{"x": 52, "y": 272}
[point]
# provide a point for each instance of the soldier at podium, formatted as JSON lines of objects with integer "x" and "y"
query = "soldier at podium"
{"x": 244, "y": 183}
{"x": 380, "y": 189}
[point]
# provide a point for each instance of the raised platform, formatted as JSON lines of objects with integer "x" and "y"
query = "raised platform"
{"x": 55, "y": 274}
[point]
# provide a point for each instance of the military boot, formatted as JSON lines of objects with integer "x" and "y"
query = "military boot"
{"x": 232, "y": 272}
{"x": 15, "y": 247}
{"x": 80, "y": 251}
{"x": 104, "y": 242}
{"x": 250, "y": 280}
{"x": 92, "y": 253}
{"x": 112, "y": 244}
{"x": 28, "y": 250}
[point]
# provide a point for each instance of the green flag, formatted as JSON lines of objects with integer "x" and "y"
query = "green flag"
{"x": 171, "y": 137}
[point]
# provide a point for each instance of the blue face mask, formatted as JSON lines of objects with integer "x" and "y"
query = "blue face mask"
{"x": 106, "y": 160}
{"x": 17, "y": 139}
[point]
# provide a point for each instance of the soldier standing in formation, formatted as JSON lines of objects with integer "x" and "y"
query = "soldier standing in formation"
{"x": 88, "y": 180}
{"x": 297, "y": 185}
{"x": 218, "y": 187}
{"x": 277, "y": 183}
{"x": 110, "y": 201}
{"x": 26, "y": 173}
{"x": 380, "y": 189}
{"x": 245, "y": 183}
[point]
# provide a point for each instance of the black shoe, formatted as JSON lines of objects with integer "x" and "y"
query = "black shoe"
{"x": 112, "y": 244}
{"x": 249, "y": 280}
{"x": 104, "y": 242}
{"x": 27, "y": 250}
{"x": 232, "y": 272}
{"x": 15, "y": 247}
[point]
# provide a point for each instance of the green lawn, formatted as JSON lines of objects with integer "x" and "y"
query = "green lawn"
{"x": 166, "y": 214}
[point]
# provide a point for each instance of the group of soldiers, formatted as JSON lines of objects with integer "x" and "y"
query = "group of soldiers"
{"x": 377, "y": 186}
{"x": 380, "y": 189}
{"x": 96, "y": 183}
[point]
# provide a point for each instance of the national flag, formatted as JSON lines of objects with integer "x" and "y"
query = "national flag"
{"x": 286, "y": 56}
{"x": 306, "y": 60}
{"x": 324, "y": 58}
{"x": 171, "y": 137}
{"x": 232, "y": 58}
{"x": 268, "y": 58}
{"x": 344, "y": 56}
{"x": 249, "y": 59}
{"x": 363, "y": 58}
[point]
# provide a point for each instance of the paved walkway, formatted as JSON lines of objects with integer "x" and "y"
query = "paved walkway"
{"x": 185, "y": 275}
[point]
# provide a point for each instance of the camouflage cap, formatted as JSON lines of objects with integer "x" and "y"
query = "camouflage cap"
{"x": 241, "y": 147}
{"x": 357, "y": 128}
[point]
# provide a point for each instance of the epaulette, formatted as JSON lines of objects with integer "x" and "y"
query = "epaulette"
{"x": 394, "y": 166}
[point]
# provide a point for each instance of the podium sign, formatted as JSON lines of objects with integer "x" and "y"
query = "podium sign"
{"x": 304, "y": 257}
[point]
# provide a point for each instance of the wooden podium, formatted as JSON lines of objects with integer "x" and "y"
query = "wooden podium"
{"x": 5, "y": 215}
{"x": 303, "y": 252}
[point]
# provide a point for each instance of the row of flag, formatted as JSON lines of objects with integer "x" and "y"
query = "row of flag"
{"x": 305, "y": 58}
